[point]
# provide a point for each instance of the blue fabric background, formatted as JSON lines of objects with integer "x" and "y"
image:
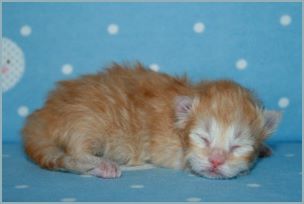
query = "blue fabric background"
{"x": 161, "y": 33}
{"x": 268, "y": 181}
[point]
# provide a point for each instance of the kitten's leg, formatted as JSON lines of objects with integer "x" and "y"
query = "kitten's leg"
{"x": 264, "y": 151}
{"x": 92, "y": 165}
{"x": 72, "y": 143}
{"x": 106, "y": 169}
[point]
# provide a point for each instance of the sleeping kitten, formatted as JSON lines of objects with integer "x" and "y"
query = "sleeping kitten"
{"x": 134, "y": 116}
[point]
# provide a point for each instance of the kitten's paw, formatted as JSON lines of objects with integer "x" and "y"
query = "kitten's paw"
{"x": 106, "y": 169}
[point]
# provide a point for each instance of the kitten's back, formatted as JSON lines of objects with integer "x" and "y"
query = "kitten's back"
{"x": 111, "y": 113}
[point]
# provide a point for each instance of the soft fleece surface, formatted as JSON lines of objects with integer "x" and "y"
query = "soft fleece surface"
{"x": 277, "y": 178}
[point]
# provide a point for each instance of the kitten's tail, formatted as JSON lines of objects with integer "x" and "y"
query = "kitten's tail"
{"x": 39, "y": 146}
{"x": 46, "y": 155}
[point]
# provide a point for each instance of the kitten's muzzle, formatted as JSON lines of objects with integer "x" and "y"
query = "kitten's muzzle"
{"x": 217, "y": 157}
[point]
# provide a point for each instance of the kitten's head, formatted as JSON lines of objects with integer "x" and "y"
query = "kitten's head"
{"x": 225, "y": 126}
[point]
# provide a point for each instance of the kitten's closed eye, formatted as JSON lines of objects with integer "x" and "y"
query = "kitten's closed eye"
{"x": 207, "y": 142}
{"x": 234, "y": 147}
{"x": 239, "y": 150}
{"x": 201, "y": 139}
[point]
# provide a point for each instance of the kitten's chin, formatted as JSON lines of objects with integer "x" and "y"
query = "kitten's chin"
{"x": 211, "y": 175}
{"x": 215, "y": 175}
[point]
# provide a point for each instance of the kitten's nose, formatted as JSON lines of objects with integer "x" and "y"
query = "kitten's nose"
{"x": 216, "y": 163}
{"x": 217, "y": 158}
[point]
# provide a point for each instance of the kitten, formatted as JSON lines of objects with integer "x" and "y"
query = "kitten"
{"x": 132, "y": 116}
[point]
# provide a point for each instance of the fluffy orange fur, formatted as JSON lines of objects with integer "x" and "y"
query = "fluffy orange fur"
{"x": 130, "y": 115}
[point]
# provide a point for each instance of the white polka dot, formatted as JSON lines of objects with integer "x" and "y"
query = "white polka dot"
{"x": 68, "y": 200}
{"x": 154, "y": 67}
{"x": 67, "y": 69}
{"x": 25, "y": 30}
{"x": 283, "y": 102}
{"x": 6, "y": 155}
{"x": 241, "y": 64}
{"x": 289, "y": 155}
{"x": 86, "y": 176}
{"x": 253, "y": 185}
{"x": 193, "y": 199}
{"x": 21, "y": 186}
{"x": 113, "y": 29}
{"x": 23, "y": 111}
{"x": 199, "y": 27}
{"x": 136, "y": 186}
{"x": 285, "y": 20}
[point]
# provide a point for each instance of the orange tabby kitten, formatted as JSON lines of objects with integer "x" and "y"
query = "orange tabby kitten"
{"x": 134, "y": 116}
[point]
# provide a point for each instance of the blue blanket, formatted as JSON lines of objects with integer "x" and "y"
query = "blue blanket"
{"x": 277, "y": 178}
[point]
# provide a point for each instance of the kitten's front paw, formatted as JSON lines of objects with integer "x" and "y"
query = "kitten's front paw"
{"x": 106, "y": 169}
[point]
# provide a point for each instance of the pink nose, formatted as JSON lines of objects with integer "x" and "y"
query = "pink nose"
{"x": 216, "y": 163}
{"x": 217, "y": 158}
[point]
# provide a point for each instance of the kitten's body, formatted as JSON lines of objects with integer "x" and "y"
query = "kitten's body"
{"x": 130, "y": 116}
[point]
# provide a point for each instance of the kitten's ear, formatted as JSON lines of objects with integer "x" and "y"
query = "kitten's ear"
{"x": 183, "y": 106}
{"x": 272, "y": 119}
{"x": 264, "y": 151}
